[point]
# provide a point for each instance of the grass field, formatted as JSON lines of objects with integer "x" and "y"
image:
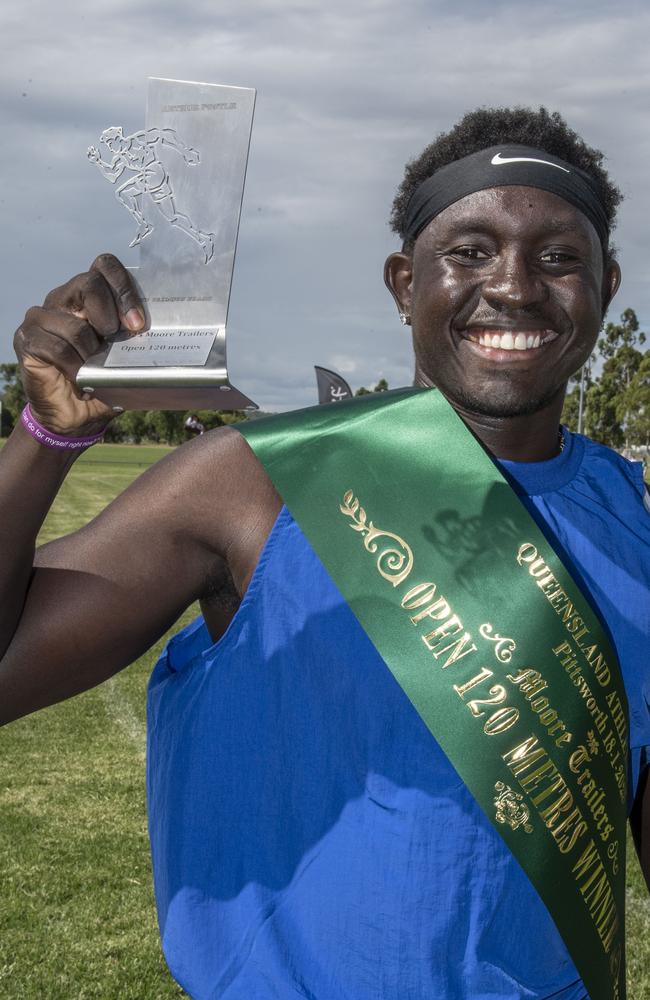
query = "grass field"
{"x": 77, "y": 916}
{"x": 77, "y": 913}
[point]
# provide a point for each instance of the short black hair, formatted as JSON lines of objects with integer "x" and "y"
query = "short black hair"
{"x": 487, "y": 127}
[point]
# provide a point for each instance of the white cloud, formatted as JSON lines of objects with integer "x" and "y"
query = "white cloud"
{"x": 346, "y": 93}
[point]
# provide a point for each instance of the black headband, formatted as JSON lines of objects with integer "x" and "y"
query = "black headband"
{"x": 505, "y": 166}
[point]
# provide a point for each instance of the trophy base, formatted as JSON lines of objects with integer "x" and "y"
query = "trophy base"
{"x": 163, "y": 388}
{"x": 155, "y": 382}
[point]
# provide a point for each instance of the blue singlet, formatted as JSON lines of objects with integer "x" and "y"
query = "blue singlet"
{"x": 309, "y": 837}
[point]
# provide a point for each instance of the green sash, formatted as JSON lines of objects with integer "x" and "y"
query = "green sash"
{"x": 486, "y": 632}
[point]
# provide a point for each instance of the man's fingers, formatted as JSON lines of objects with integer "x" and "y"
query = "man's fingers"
{"x": 89, "y": 297}
{"x": 78, "y": 332}
{"x": 105, "y": 295}
{"x": 54, "y": 352}
{"x": 123, "y": 288}
{"x": 56, "y": 337}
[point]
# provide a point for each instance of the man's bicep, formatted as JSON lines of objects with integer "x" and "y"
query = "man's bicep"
{"x": 100, "y": 597}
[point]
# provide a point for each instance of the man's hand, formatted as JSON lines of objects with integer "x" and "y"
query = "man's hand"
{"x": 55, "y": 340}
{"x": 191, "y": 156}
{"x": 93, "y": 154}
{"x": 191, "y": 527}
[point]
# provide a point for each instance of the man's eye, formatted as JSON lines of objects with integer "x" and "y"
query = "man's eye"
{"x": 469, "y": 253}
{"x": 557, "y": 257}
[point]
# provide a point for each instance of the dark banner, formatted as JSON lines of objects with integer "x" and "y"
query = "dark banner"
{"x": 331, "y": 387}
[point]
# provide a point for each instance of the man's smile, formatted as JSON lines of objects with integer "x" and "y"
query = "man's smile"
{"x": 504, "y": 343}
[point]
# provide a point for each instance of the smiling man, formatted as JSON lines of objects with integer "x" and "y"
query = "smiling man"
{"x": 392, "y": 761}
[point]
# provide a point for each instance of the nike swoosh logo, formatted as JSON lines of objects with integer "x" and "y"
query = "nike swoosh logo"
{"x": 497, "y": 159}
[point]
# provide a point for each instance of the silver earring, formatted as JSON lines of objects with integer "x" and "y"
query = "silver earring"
{"x": 404, "y": 319}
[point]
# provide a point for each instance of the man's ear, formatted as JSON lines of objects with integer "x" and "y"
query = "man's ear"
{"x": 611, "y": 284}
{"x": 398, "y": 277}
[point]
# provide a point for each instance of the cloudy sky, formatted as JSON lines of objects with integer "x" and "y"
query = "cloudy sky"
{"x": 347, "y": 92}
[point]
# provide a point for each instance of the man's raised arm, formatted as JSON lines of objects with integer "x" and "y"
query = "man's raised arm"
{"x": 82, "y": 607}
{"x": 51, "y": 344}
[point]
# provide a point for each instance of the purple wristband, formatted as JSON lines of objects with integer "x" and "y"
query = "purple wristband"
{"x": 52, "y": 440}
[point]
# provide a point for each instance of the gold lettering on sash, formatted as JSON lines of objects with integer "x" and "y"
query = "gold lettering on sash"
{"x": 423, "y": 601}
{"x": 504, "y": 646}
{"x": 462, "y": 689}
{"x": 577, "y": 653}
{"x": 596, "y": 890}
{"x": 571, "y": 806}
{"x": 614, "y": 738}
{"x": 451, "y": 626}
{"x": 510, "y": 808}
{"x": 530, "y": 683}
{"x": 527, "y": 555}
{"x": 560, "y": 815}
{"x": 395, "y": 561}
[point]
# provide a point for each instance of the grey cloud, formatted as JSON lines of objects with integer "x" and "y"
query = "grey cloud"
{"x": 346, "y": 93}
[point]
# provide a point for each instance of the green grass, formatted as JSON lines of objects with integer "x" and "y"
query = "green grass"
{"x": 77, "y": 918}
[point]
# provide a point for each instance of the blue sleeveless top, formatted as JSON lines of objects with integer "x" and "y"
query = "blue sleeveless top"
{"x": 309, "y": 837}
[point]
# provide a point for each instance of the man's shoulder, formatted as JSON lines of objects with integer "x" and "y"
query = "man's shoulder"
{"x": 219, "y": 471}
{"x": 223, "y": 452}
{"x": 596, "y": 453}
{"x": 228, "y": 502}
{"x": 614, "y": 475}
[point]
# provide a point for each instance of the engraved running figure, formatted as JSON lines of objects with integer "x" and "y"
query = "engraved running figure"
{"x": 138, "y": 152}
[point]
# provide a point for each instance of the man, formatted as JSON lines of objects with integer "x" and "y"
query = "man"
{"x": 310, "y": 836}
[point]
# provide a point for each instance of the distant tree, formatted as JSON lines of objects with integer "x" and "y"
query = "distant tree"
{"x": 601, "y": 422}
{"x": 219, "y": 418}
{"x": 623, "y": 334}
{"x": 616, "y": 409}
{"x": 13, "y": 396}
{"x": 130, "y": 427}
{"x": 611, "y": 403}
{"x": 382, "y": 386}
{"x": 571, "y": 408}
{"x": 165, "y": 426}
{"x": 634, "y": 407}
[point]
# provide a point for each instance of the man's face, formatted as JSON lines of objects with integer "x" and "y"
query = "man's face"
{"x": 506, "y": 293}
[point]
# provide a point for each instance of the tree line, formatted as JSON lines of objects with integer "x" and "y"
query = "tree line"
{"x": 616, "y": 403}
{"x": 616, "y": 398}
{"x": 133, "y": 427}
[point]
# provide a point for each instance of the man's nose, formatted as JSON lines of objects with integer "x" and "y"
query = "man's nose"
{"x": 513, "y": 282}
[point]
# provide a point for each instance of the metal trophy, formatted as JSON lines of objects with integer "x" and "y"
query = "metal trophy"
{"x": 182, "y": 179}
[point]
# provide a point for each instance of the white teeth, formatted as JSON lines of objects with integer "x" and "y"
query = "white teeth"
{"x": 508, "y": 342}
